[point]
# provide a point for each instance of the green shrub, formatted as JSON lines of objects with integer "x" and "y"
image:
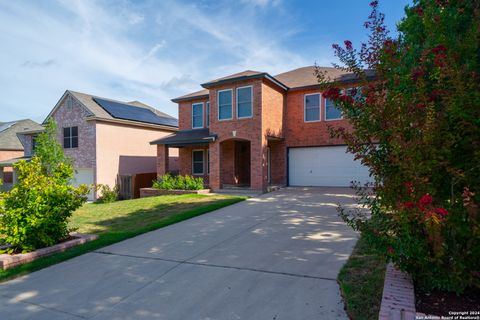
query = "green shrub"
{"x": 169, "y": 182}
{"x": 34, "y": 213}
{"x": 417, "y": 128}
{"x": 107, "y": 194}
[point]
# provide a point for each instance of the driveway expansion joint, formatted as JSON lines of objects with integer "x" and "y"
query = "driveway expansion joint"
{"x": 44, "y": 307}
{"x": 180, "y": 262}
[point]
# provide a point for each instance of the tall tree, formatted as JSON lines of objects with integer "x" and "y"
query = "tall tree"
{"x": 417, "y": 127}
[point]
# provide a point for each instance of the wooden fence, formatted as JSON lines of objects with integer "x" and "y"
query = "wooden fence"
{"x": 129, "y": 185}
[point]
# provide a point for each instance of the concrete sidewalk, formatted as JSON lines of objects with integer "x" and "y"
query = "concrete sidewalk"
{"x": 272, "y": 257}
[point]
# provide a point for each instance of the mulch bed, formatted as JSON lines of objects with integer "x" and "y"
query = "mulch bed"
{"x": 439, "y": 303}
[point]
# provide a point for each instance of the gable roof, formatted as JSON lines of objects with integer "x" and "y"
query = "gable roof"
{"x": 290, "y": 80}
{"x": 194, "y": 95}
{"x": 304, "y": 77}
{"x": 8, "y": 133}
{"x": 95, "y": 110}
{"x": 244, "y": 75}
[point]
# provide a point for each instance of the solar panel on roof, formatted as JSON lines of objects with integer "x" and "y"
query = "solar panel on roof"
{"x": 125, "y": 111}
{"x": 6, "y": 125}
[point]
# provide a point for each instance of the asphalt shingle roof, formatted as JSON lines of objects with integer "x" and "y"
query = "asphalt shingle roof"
{"x": 8, "y": 133}
{"x": 186, "y": 137}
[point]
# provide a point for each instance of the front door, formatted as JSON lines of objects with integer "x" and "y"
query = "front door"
{"x": 242, "y": 163}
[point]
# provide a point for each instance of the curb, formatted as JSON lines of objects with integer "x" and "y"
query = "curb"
{"x": 398, "y": 299}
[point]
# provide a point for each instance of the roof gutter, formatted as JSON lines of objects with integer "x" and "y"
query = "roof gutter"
{"x": 133, "y": 123}
{"x": 181, "y": 99}
{"x": 243, "y": 78}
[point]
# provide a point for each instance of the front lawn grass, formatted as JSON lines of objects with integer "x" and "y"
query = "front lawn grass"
{"x": 117, "y": 221}
{"x": 361, "y": 282}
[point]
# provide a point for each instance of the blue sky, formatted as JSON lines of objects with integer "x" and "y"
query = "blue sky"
{"x": 153, "y": 51}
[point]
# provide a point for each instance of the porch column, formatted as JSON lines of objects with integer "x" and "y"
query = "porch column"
{"x": 214, "y": 178}
{"x": 162, "y": 159}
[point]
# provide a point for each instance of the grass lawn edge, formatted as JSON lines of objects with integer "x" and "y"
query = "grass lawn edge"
{"x": 111, "y": 238}
{"x": 361, "y": 282}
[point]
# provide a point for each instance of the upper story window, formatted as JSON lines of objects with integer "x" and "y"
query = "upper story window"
{"x": 332, "y": 112}
{"x": 312, "y": 107}
{"x": 225, "y": 104}
{"x": 70, "y": 137}
{"x": 244, "y": 102}
{"x": 355, "y": 93}
{"x": 207, "y": 113}
{"x": 198, "y": 162}
{"x": 197, "y": 115}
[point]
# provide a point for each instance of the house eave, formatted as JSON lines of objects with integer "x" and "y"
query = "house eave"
{"x": 133, "y": 123}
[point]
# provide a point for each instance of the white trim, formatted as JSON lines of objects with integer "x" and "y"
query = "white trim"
{"x": 251, "y": 101}
{"x": 203, "y": 162}
{"x": 325, "y": 109}
{"x": 319, "y": 107}
{"x": 218, "y": 104}
{"x": 207, "y": 114}
{"x": 203, "y": 115}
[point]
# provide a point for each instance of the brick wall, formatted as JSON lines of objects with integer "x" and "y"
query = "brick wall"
{"x": 300, "y": 133}
{"x": 185, "y": 161}
{"x": 273, "y": 110}
{"x": 70, "y": 114}
{"x": 9, "y": 154}
{"x": 245, "y": 129}
{"x": 185, "y": 113}
{"x": 26, "y": 141}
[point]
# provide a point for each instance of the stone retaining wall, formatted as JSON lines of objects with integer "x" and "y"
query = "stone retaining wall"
{"x": 12, "y": 260}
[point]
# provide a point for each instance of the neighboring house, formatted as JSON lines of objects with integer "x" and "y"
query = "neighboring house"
{"x": 11, "y": 147}
{"x": 106, "y": 137}
{"x": 252, "y": 130}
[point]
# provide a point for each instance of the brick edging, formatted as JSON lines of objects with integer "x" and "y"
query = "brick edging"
{"x": 398, "y": 299}
{"x": 9, "y": 261}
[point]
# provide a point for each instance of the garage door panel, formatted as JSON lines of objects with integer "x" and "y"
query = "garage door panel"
{"x": 84, "y": 176}
{"x": 324, "y": 166}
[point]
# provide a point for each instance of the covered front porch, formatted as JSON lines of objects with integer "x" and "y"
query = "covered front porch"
{"x": 8, "y": 175}
{"x": 233, "y": 163}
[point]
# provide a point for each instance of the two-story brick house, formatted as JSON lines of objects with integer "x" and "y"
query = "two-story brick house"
{"x": 252, "y": 129}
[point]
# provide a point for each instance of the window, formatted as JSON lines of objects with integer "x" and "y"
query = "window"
{"x": 70, "y": 137}
{"x": 197, "y": 162}
{"x": 34, "y": 144}
{"x": 207, "y": 113}
{"x": 355, "y": 93}
{"x": 332, "y": 112}
{"x": 244, "y": 102}
{"x": 208, "y": 161}
{"x": 312, "y": 107}
{"x": 197, "y": 115}
{"x": 225, "y": 104}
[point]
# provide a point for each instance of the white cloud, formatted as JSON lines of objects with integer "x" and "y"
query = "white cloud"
{"x": 130, "y": 52}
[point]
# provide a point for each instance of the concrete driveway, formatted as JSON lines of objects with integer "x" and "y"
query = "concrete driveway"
{"x": 272, "y": 257}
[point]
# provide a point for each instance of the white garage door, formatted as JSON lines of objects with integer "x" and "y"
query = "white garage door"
{"x": 84, "y": 176}
{"x": 324, "y": 166}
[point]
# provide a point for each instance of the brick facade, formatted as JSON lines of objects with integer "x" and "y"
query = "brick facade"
{"x": 299, "y": 133}
{"x": 277, "y": 123}
{"x": 71, "y": 113}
